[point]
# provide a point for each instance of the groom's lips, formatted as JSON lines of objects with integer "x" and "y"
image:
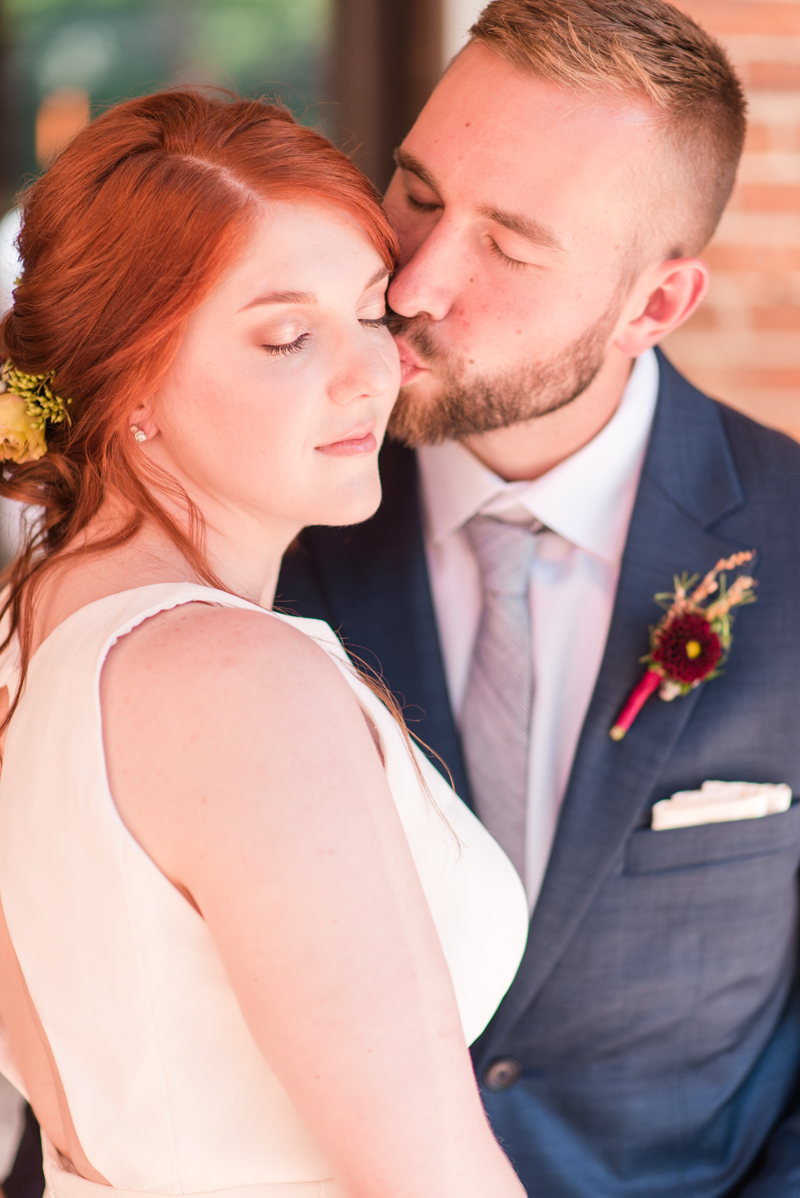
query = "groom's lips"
{"x": 410, "y": 365}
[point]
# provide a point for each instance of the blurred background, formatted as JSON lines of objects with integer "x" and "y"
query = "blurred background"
{"x": 361, "y": 70}
{"x": 743, "y": 345}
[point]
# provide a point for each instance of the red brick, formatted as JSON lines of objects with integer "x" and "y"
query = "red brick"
{"x": 786, "y": 137}
{"x": 763, "y": 299}
{"x": 785, "y": 320}
{"x": 767, "y": 197}
{"x": 760, "y": 138}
{"x": 773, "y": 76}
{"x": 744, "y": 16}
{"x": 705, "y": 318}
{"x": 770, "y": 259}
{"x": 758, "y": 378}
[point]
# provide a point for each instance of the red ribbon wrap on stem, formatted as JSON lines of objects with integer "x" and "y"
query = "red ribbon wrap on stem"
{"x": 639, "y": 695}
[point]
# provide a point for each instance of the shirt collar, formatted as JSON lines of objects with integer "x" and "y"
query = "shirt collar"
{"x": 587, "y": 498}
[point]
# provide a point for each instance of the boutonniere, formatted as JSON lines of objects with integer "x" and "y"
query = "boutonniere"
{"x": 692, "y": 641}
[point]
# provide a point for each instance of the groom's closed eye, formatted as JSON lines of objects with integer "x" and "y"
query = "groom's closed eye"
{"x": 526, "y": 228}
{"x": 422, "y": 193}
{"x": 496, "y": 252}
{"x": 420, "y": 205}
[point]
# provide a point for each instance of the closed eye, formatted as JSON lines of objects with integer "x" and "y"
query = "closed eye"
{"x": 418, "y": 206}
{"x": 291, "y": 347}
{"x": 380, "y": 322}
{"x": 496, "y": 252}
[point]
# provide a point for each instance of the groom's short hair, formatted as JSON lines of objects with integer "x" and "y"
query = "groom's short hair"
{"x": 647, "y": 48}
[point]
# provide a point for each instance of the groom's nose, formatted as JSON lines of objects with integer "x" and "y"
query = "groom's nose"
{"x": 431, "y": 279}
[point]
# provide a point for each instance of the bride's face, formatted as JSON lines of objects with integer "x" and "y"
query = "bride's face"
{"x": 278, "y": 399}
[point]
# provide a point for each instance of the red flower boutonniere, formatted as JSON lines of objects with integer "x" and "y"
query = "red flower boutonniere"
{"x": 692, "y": 641}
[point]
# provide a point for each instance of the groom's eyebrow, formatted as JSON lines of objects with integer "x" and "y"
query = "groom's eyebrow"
{"x": 524, "y": 226}
{"x": 407, "y": 162}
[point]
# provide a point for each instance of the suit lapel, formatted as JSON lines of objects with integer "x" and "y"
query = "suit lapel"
{"x": 378, "y": 598}
{"x": 689, "y": 481}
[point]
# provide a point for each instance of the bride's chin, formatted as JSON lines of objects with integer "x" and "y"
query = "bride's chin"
{"x": 352, "y": 506}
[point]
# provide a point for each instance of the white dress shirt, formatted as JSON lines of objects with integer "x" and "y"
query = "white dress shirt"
{"x": 586, "y": 501}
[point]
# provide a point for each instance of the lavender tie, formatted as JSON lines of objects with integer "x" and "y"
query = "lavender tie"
{"x": 496, "y": 712}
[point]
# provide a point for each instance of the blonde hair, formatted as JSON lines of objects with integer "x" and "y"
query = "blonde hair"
{"x": 644, "y": 48}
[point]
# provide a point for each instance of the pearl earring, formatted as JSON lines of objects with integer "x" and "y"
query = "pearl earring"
{"x": 138, "y": 435}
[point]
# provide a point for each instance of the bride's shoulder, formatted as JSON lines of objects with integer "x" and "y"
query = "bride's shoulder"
{"x": 203, "y": 706}
{"x": 201, "y": 655}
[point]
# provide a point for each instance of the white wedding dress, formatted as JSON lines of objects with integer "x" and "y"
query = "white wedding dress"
{"x": 168, "y": 1092}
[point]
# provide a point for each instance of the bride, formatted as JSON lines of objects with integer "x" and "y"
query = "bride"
{"x": 247, "y": 930}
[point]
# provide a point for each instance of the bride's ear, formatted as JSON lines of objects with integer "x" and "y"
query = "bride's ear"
{"x": 142, "y": 424}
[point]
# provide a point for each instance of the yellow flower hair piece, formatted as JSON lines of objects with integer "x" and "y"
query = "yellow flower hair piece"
{"x": 41, "y": 401}
{"x": 26, "y": 404}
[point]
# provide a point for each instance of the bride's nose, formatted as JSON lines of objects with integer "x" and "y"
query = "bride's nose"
{"x": 364, "y": 373}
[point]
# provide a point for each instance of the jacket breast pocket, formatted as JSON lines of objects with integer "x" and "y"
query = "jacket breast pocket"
{"x": 707, "y": 917}
{"x": 650, "y": 852}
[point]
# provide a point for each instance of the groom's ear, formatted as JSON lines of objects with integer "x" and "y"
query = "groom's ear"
{"x": 662, "y": 299}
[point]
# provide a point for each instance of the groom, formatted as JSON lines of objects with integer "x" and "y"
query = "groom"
{"x": 553, "y": 473}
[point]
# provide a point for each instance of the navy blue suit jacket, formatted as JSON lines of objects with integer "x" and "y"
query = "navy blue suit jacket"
{"x": 656, "y": 1014}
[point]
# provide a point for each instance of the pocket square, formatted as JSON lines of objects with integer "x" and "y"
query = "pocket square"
{"x": 719, "y": 802}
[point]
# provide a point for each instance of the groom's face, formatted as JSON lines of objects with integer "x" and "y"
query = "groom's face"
{"x": 524, "y": 217}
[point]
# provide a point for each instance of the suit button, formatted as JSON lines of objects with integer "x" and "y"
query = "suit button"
{"x": 502, "y": 1074}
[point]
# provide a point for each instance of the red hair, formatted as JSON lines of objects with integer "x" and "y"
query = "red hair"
{"x": 122, "y": 238}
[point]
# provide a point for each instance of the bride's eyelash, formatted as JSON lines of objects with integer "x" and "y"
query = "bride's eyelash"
{"x": 495, "y": 250}
{"x": 291, "y": 347}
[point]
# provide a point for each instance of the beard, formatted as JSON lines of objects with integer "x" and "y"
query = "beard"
{"x": 466, "y": 404}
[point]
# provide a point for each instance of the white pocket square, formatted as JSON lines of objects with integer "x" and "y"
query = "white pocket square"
{"x": 719, "y": 802}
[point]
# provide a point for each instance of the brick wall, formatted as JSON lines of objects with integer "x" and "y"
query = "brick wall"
{"x": 743, "y": 344}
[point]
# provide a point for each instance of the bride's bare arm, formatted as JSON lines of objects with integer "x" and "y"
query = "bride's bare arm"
{"x": 239, "y": 759}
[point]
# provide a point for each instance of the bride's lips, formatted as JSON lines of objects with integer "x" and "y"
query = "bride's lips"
{"x": 358, "y": 440}
{"x": 410, "y": 365}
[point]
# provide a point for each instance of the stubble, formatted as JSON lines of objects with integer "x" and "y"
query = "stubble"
{"x": 466, "y": 404}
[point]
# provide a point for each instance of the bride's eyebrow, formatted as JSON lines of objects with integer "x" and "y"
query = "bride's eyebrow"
{"x": 383, "y": 273}
{"x": 281, "y": 297}
{"x": 305, "y": 297}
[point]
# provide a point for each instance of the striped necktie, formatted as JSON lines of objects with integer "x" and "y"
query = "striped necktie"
{"x": 498, "y": 701}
